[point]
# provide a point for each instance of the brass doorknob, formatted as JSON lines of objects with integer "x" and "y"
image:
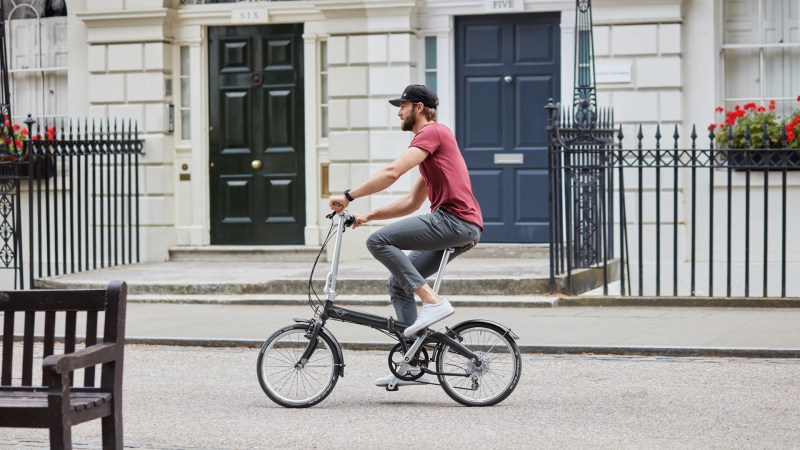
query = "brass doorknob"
{"x": 256, "y": 164}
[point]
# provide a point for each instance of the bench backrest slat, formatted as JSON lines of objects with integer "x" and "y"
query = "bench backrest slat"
{"x": 49, "y": 338}
{"x": 27, "y": 349}
{"x": 70, "y": 326}
{"x": 91, "y": 339}
{"x": 8, "y": 348}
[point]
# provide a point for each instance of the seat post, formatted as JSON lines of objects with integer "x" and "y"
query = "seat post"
{"x": 442, "y": 266}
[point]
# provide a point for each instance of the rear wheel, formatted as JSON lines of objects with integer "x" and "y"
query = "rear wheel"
{"x": 489, "y": 382}
{"x": 291, "y": 386}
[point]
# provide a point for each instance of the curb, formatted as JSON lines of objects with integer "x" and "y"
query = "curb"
{"x": 719, "y": 352}
{"x": 690, "y": 302}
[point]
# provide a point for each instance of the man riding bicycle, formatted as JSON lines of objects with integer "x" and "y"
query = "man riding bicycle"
{"x": 455, "y": 218}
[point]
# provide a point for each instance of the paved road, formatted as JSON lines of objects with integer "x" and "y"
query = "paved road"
{"x": 209, "y": 398}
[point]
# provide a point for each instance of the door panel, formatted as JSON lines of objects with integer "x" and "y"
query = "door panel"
{"x": 256, "y": 137}
{"x": 234, "y": 190}
{"x": 507, "y": 67}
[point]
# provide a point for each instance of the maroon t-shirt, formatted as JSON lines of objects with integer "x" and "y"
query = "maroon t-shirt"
{"x": 445, "y": 173}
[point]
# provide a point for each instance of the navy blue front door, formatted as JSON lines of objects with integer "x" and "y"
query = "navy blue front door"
{"x": 507, "y": 66}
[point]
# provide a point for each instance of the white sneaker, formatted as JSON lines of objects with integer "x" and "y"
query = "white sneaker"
{"x": 429, "y": 315}
{"x": 425, "y": 378}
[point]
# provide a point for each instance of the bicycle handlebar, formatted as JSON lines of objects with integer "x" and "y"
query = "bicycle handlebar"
{"x": 349, "y": 219}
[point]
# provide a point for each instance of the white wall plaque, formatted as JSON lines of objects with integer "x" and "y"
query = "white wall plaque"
{"x": 249, "y": 15}
{"x": 504, "y": 5}
{"x": 509, "y": 158}
{"x": 612, "y": 73}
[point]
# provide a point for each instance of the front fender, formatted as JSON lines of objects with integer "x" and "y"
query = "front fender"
{"x": 330, "y": 336}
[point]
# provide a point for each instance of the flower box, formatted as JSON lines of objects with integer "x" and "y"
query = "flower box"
{"x": 762, "y": 159}
{"x": 43, "y": 168}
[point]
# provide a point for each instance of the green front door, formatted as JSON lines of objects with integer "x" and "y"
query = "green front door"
{"x": 256, "y": 135}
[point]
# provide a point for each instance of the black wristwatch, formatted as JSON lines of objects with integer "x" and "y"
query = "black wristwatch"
{"x": 348, "y": 196}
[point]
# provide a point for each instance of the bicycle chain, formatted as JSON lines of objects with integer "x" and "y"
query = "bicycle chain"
{"x": 438, "y": 384}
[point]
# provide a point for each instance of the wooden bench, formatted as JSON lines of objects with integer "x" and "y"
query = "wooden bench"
{"x": 52, "y": 401}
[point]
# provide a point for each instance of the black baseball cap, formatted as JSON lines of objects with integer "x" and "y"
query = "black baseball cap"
{"x": 417, "y": 93}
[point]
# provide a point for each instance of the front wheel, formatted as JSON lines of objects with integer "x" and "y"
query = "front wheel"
{"x": 488, "y": 383}
{"x": 292, "y": 386}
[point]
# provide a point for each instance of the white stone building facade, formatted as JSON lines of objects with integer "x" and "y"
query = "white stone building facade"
{"x": 668, "y": 62}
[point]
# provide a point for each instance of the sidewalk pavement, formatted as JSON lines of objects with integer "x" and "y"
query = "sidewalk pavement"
{"x": 230, "y": 304}
{"x": 746, "y": 332}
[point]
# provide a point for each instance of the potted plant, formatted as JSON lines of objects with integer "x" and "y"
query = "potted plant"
{"x": 755, "y": 136}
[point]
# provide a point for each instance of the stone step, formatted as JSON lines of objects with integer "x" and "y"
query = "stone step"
{"x": 519, "y": 301}
{"x": 364, "y": 286}
{"x": 506, "y": 251}
{"x": 271, "y": 253}
{"x": 301, "y": 253}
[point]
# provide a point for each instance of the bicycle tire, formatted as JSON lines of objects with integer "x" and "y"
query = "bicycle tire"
{"x": 498, "y": 375}
{"x": 294, "y": 387}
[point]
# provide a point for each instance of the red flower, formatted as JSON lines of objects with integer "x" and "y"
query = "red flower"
{"x": 35, "y": 137}
{"x": 720, "y": 109}
{"x": 18, "y": 143}
{"x": 15, "y": 127}
{"x": 711, "y": 127}
{"x": 790, "y": 136}
{"x": 7, "y": 123}
{"x": 772, "y": 105}
{"x": 761, "y": 109}
{"x": 750, "y": 106}
{"x": 798, "y": 98}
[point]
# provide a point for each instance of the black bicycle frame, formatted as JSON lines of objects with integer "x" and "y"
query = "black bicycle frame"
{"x": 382, "y": 323}
{"x": 388, "y": 324}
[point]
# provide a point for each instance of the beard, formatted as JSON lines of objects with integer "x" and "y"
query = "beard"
{"x": 409, "y": 122}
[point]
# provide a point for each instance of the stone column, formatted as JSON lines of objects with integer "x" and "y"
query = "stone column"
{"x": 128, "y": 75}
{"x": 372, "y": 57}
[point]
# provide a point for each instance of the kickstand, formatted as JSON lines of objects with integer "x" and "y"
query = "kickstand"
{"x": 392, "y": 386}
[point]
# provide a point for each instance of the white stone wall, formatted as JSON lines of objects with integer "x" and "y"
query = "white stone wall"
{"x": 651, "y": 47}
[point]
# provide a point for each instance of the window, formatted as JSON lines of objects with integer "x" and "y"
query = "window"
{"x": 185, "y": 108}
{"x": 323, "y": 89}
{"x": 761, "y": 52}
{"x": 430, "y": 62}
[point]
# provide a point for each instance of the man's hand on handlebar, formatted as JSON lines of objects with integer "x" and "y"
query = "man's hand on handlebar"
{"x": 360, "y": 219}
{"x": 338, "y": 203}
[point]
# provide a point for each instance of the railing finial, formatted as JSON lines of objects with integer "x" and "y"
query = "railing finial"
{"x": 584, "y": 96}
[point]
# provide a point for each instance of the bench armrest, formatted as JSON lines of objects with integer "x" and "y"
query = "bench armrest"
{"x": 89, "y": 356}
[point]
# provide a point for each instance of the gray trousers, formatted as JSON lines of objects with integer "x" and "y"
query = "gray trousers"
{"x": 427, "y": 236}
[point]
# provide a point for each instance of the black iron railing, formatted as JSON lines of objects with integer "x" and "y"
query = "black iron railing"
{"x": 78, "y": 184}
{"x": 689, "y": 221}
{"x": 580, "y": 177}
{"x": 722, "y": 213}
